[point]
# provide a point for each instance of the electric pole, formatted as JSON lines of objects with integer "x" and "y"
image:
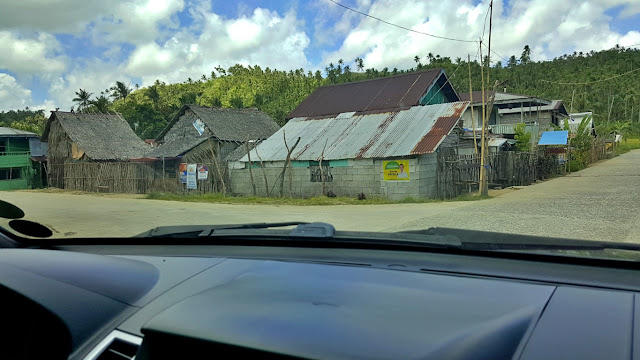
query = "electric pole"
{"x": 473, "y": 119}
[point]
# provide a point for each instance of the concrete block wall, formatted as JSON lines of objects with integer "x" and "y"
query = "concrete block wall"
{"x": 360, "y": 176}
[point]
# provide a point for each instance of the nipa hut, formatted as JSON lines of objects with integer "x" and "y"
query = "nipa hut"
{"x": 92, "y": 152}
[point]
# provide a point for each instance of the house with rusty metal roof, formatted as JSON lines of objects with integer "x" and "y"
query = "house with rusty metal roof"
{"x": 376, "y": 137}
{"x": 375, "y": 95}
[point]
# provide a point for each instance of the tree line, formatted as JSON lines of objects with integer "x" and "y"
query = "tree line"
{"x": 615, "y": 102}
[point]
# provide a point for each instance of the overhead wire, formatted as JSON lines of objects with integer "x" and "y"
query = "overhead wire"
{"x": 591, "y": 82}
{"x": 400, "y": 26}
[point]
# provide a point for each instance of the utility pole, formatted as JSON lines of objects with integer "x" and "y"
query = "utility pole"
{"x": 483, "y": 170}
{"x": 473, "y": 118}
{"x": 484, "y": 183}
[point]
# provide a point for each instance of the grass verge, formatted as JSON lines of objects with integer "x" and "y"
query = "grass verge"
{"x": 314, "y": 201}
{"x": 627, "y": 145}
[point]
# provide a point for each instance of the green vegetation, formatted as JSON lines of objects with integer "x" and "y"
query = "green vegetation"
{"x": 627, "y": 145}
{"x": 317, "y": 201}
{"x": 522, "y": 137}
{"x": 615, "y": 103}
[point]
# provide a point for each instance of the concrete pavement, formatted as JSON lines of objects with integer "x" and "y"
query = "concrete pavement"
{"x": 598, "y": 203}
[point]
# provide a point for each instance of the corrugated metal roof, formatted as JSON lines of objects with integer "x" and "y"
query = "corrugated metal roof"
{"x": 5, "y": 131}
{"x": 500, "y": 96}
{"x": 554, "y": 138}
{"x": 554, "y": 105}
{"x": 497, "y": 142}
{"x": 368, "y": 95}
{"x": 417, "y": 130}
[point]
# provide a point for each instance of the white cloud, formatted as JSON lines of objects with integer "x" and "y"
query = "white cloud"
{"x": 137, "y": 21}
{"x": 95, "y": 76}
{"x": 14, "y": 96}
{"x": 70, "y": 16}
{"x": 262, "y": 37}
{"x": 551, "y": 29}
{"x": 32, "y": 55}
{"x": 131, "y": 21}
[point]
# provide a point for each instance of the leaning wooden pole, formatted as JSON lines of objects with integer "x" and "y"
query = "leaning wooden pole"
{"x": 473, "y": 118}
{"x": 484, "y": 188}
{"x": 253, "y": 184}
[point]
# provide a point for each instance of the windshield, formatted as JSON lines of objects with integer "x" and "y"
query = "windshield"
{"x": 384, "y": 116}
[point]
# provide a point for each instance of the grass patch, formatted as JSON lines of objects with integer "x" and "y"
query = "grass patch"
{"x": 314, "y": 201}
{"x": 627, "y": 145}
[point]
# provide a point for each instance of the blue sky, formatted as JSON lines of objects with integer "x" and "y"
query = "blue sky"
{"x": 55, "y": 48}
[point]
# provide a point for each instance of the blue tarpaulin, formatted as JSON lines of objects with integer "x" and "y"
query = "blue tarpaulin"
{"x": 554, "y": 138}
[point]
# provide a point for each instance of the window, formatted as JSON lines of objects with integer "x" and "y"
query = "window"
{"x": 3, "y": 146}
{"x": 316, "y": 174}
{"x": 10, "y": 174}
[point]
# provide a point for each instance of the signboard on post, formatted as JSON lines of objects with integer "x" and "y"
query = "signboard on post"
{"x": 183, "y": 173}
{"x": 191, "y": 176}
{"x": 395, "y": 170}
{"x": 203, "y": 172}
{"x": 199, "y": 125}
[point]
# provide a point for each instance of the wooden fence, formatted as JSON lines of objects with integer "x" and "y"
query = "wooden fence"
{"x": 133, "y": 177}
{"x": 459, "y": 174}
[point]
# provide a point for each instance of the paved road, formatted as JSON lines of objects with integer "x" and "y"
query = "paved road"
{"x": 599, "y": 203}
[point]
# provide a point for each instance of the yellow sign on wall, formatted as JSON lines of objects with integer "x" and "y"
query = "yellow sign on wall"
{"x": 396, "y": 170}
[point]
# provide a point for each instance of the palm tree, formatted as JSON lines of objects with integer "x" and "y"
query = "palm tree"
{"x": 417, "y": 59}
{"x": 359, "y": 64}
{"x": 83, "y": 98}
{"x": 101, "y": 103}
{"x": 120, "y": 91}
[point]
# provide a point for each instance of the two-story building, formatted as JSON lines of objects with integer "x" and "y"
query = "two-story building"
{"x": 17, "y": 168}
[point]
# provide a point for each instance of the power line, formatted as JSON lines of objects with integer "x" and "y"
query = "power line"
{"x": 591, "y": 82}
{"x": 400, "y": 26}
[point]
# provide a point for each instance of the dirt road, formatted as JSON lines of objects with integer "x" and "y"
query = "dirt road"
{"x": 599, "y": 203}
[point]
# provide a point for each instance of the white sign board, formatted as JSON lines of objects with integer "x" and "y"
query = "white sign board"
{"x": 203, "y": 172}
{"x": 191, "y": 176}
{"x": 199, "y": 125}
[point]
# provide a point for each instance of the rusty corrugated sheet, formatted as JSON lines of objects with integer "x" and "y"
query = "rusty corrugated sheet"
{"x": 441, "y": 128}
{"x": 368, "y": 95}
{"x": 417, "y": 130}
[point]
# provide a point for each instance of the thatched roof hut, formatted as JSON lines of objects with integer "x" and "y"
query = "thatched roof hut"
{"x": 95, "y": 137}
{"x": 74, "y": 137}
{"x": 225, "y": 126}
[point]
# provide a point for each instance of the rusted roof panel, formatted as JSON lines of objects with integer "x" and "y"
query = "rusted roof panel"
{"x": 441, "y": 128}
{"x": 413, "y": 131}
{"x": 376, "y": 94}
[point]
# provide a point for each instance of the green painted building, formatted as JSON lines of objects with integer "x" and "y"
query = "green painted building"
{"x": 21, "y": 159}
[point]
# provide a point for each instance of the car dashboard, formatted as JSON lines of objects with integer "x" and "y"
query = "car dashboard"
{"x": 172, "y": 301}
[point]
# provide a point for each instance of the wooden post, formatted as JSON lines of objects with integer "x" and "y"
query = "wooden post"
{"x": 287, "y": 160}
{"x": 321, "y": 169}
{"x": 484, "y": 189}
{"x": 215, "y": 164}
{"x": 253, "y": 185}
{"x": 473, "y": 119}
{"x": 164, "y": 183}
{"x": 264, "y": 172}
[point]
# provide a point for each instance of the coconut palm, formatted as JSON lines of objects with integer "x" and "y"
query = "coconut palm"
{"x": 101, "y": 103}
{"x": 83, "y": 98}
{"x": 120, "y": 91}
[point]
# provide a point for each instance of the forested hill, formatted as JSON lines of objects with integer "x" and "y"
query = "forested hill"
{"x": 598, "y": 79}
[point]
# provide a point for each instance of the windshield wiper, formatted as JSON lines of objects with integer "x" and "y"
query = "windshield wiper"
{"x": 190, "y": 231}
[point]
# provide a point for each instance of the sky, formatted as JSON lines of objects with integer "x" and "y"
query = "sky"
{"x": 52, "y": 48}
